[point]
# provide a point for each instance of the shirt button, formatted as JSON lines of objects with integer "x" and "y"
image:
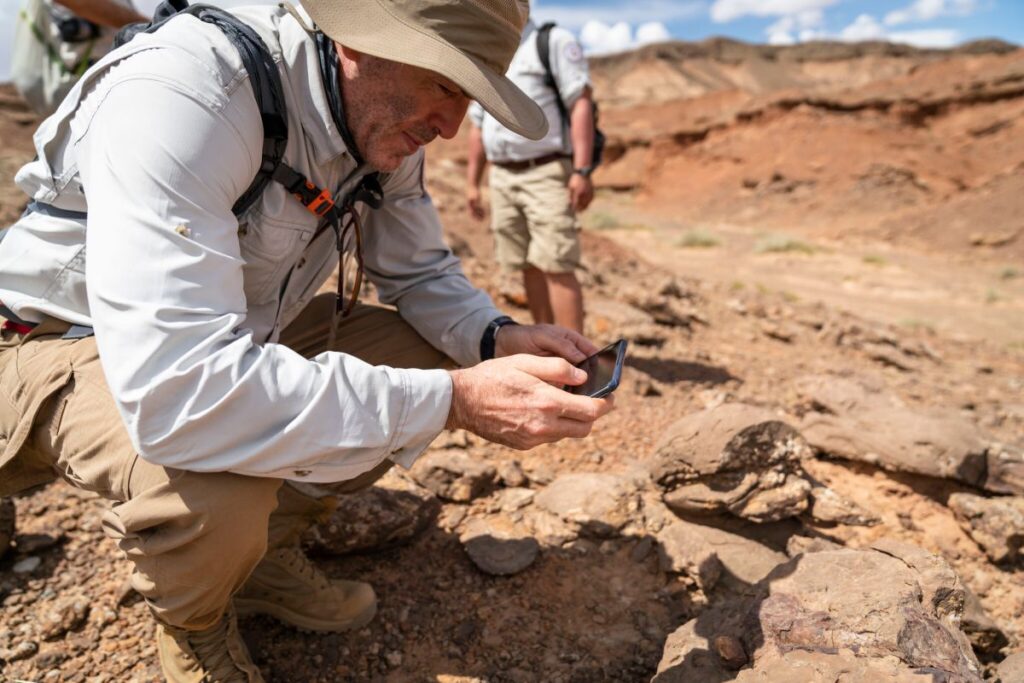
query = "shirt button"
{"x": 302, "y": 262}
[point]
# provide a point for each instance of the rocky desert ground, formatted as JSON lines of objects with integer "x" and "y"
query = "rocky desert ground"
{"x": 815, "y": 468}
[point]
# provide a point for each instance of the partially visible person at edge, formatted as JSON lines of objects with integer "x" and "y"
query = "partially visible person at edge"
{"x": 216, "y": 403}
{"x": 74, "y": 35}
{"x": 538, "y": 187}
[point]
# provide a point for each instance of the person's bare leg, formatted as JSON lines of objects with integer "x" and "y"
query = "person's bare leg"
{"x": 535, "y": 283}
{"x": 566, "y": 298}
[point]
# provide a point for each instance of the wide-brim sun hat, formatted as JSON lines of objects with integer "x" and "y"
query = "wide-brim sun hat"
{"x": 471, "y": 42}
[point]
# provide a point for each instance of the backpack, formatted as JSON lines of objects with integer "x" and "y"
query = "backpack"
{"x": 544, "y": 52}
{"x": 269, "y": 94}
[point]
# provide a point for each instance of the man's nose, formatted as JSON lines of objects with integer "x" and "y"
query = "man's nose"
{"x": 449, "y": 117}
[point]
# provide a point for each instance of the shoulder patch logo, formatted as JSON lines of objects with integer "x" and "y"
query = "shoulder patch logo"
{"x": 573, "y": 52}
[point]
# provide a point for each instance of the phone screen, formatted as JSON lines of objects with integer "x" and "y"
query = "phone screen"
{"x": 603, "y": 370}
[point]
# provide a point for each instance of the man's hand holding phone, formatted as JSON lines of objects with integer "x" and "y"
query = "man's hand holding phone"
{"x": 518, "y": 399}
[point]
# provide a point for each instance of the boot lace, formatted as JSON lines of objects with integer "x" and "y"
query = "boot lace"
{"x": 296, "y": 561}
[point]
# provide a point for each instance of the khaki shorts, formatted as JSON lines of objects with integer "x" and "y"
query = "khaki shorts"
{"x": 533, "y": 222}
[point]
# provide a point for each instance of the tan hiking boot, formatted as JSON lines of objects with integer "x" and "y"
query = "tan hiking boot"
{"x": 286, "y": 585}
{"x": 216, "y": 655}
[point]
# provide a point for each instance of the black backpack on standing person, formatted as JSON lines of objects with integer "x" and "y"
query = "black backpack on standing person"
{"x": 544, "y": 52}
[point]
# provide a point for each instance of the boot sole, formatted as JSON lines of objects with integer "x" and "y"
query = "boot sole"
{"x": 246, "y": 607}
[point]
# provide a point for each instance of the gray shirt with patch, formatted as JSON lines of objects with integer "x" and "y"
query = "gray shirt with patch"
{"x": 570, "y": 70}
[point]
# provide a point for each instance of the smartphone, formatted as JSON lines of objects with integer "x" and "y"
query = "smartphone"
{"x": 604, "y": 369}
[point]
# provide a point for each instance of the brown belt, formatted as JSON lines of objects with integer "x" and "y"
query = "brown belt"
{"x": 530, "y": 163}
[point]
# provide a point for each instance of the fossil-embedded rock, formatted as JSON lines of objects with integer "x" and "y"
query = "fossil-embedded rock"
{"x": 732, "y": 458}
{"x": 889, "y": 613}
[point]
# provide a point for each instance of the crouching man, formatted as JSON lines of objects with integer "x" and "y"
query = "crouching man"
{"x": 164, "y": 346}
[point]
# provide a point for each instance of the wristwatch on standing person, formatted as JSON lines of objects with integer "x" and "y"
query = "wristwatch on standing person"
{"x": 584, "y": 171}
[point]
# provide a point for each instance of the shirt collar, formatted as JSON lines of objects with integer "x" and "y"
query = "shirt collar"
{"x": 306, "y": 83}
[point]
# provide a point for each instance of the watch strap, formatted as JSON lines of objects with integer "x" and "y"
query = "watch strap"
{"x": 490, "y": 332}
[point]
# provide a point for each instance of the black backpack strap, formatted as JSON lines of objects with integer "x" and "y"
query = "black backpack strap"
{"x": 263, "y": 74}
{"x": 544, "y": 52}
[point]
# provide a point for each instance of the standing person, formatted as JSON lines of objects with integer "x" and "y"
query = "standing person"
{"x": 56, "y": 41}
{"x": 172, "y": 354}
{"x": 539, "y": 186}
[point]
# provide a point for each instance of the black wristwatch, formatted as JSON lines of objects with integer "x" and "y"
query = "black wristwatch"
{"x": 584, "y": 171}
{"x": 487, "y": 341}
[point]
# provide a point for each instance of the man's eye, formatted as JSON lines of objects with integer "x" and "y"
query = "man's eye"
{"x": 446, "y": 90}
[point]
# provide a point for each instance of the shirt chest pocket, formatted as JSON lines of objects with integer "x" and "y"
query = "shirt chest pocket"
{"x": 269, "y": 249}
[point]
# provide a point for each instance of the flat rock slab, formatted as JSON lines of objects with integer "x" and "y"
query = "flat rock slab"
{"x": 996, "y": 524}
{"x": 454, "y": 476}
{"x": 733, "y": 458}
{"x": 502, "y": 556}
{"x": 858, "y": 421}
{"x": 7, "y": 520}
{"x": 393, "y": 511}
{"x": 808, "y": 621}
{"x": 497, "y": 547}
{"x": 598, "y": 504}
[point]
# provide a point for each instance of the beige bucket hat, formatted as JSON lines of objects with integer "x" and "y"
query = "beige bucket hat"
{"x": 472, "y": 42}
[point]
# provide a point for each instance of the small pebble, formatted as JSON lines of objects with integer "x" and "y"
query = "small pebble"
{"x": 26, "y": 566}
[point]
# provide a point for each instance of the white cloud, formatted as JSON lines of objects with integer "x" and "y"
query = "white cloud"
{"x": 600, "y": 38}
{"x": 926, "y": 10}
{"x": 727, "y": 10}
{"x": 652, "y": 32}
{"x": 866, "y": 27}
{"x": 635, "y": 12}
{"x": 938, "y": 37}
{"x": 810, "y": 22}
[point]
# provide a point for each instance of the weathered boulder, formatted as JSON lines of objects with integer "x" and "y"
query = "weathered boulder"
{"x": 7, "y": 520}
{"x": 888, "y": 613}
{"x": 597, "y": 504}
{"x": 706, "y": 553}
{"x": 858, "y": 421}
{"x": 391, "y": 512}
{"x": 732, "y": 458}
{"x": 829, "y": 507}
{"x": 996, "y": 524}
{"x": 453, "y": 475}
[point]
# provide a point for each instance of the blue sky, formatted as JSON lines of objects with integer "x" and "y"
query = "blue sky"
{"x": 611, "y": 25}
{"x": 920, "y": 22}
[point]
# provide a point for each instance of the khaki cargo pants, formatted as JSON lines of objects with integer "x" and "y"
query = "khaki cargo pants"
{"x": 193, "y": 537}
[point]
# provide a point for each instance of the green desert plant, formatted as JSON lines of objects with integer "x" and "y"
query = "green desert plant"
{"x": 698, "y": 239}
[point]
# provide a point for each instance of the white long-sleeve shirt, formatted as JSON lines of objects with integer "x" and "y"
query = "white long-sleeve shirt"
{"x": 155, "y": 144}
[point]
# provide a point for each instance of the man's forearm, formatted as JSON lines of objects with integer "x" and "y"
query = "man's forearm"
{"x": 477, "y": 158}
{"x": 103, "y": 12}
{"x": 582, "y": 130}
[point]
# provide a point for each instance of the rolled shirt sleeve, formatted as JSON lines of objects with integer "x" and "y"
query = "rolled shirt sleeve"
{"x": 166, "y": 296}
{"x": 568, "y": 65}
{"x": 413, "y": 268}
